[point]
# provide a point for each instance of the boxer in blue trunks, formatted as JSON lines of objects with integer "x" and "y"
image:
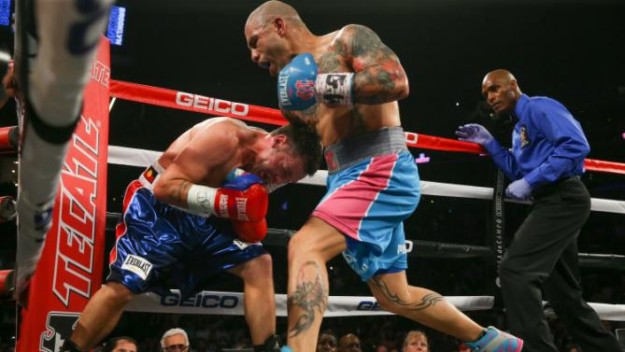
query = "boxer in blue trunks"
{"x": 193, "y": 214}
{"x": 346, "y": 84}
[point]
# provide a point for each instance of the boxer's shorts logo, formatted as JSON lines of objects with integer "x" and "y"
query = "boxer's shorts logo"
{"x": 150, "y": 174}
{"x": 240, "y": 244}
{"x": 137, "y": 265}
{"x": 405, "y": 247}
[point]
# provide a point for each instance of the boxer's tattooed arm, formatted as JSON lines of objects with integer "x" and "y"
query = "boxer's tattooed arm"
{"x": 427, "y": 301}
{"x": 309, "y": 299}
{"x": 380, "y": 77}
{"x": 331, "y": 61}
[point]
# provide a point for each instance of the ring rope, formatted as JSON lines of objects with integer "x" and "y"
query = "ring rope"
{"x": 143, "y": 158}
{"x": 231, "y": 303}
{"x": 214, "y": 106}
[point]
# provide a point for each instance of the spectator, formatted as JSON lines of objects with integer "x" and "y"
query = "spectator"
{"x": 416, "y": 341}
{"x": 327, "y": 342}
{"x": 571, "y": 348}
{"x": 381, "y": 348}
{"x": 121, "y": 344}
{"x": 349, "y": 343}
{"x": 175, "y": 340}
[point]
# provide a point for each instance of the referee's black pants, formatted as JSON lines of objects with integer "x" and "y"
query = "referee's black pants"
{"x": 544, "y": 255}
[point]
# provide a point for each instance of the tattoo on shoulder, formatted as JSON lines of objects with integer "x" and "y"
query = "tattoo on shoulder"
{"x": 330, "y": 61}
{"x": 364, "y": 40}
{"x": 310, "y": 297}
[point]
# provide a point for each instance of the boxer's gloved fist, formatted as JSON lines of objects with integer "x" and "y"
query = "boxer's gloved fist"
{"x": 519, "y": 189}
{"x": 251, "y": 231}
{"x": 475, "y": 133}
{"x": 243, "y": 198}
{"x": 300, "y": 86}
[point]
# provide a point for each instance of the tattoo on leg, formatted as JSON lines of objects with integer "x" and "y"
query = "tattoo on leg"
{"x": 310, "y": 295}
{"x": 427, "y": 301}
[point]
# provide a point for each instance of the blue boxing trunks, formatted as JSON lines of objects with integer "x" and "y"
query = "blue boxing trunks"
{"x": 161, "y": 246}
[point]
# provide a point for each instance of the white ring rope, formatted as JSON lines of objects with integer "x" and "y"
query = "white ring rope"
{"x": 231, "y": 303}
{"x": 143, "y": 158}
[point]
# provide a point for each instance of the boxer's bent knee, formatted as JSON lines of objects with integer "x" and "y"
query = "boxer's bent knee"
{"x": 117, "y": 292}
{"x": 260, "y": 267}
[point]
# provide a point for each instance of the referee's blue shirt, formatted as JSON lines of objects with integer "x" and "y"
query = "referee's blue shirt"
{"x": 548, "y": 144}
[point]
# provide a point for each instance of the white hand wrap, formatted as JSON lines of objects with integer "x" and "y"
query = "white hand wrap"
{"x": 201, "y": 200}
{"x": 335, "y": 88}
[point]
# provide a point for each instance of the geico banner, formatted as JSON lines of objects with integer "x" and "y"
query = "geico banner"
{"x": 231, "y": 303}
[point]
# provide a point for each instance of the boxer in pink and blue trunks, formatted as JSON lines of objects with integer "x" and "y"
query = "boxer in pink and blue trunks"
{"x": 373, "y": 186}
{"x": 346, "y": 85}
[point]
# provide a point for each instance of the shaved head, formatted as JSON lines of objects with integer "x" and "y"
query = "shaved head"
{"x": 349, "y": 342}
{"x": 501, "y": 75}
{"x": 270, "y": 10}
{"x": 274, "y": 33}
{"x": 501, "y": 90}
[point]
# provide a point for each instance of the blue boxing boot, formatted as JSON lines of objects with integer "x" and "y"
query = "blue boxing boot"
{"x": 495, "y": 340}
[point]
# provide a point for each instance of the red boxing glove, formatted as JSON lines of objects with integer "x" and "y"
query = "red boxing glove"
{"x": 249, "y": 231}
{"x": 249, "y": 204}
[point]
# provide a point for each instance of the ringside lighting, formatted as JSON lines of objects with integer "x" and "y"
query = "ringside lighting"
{"x": 422, "y": 159}
{"x": 117, "y": 20}
{"x": 5, "y": 12}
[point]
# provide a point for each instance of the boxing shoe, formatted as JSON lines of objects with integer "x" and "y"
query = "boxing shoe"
{"x": 495, "y": 340}
{"x": 272, "y": 344}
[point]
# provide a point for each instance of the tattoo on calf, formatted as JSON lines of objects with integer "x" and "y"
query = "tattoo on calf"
{"x": 427, "y": 301}
{"x": 310, "y": 295}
